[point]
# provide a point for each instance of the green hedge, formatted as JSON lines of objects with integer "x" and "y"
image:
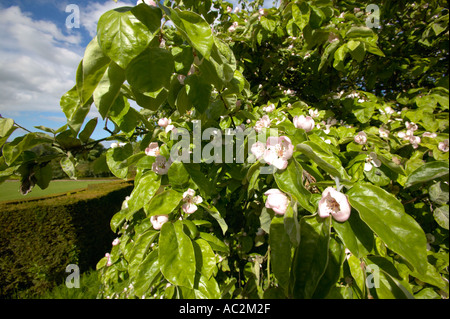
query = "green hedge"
{"x": 39, "y": 238}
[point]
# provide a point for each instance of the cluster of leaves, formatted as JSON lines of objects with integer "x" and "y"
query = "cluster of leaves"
{"x": 315, "y": 58}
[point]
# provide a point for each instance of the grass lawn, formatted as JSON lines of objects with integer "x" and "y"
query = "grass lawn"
{"x": 9, "y": 190}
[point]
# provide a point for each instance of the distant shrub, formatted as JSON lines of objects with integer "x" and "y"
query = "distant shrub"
{"x": 39, "y": 238}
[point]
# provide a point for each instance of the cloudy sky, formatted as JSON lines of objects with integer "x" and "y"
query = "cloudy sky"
{"x": 39, "y": 56}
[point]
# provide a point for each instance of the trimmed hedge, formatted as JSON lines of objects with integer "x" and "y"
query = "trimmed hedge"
{"x": 40, "y": 237}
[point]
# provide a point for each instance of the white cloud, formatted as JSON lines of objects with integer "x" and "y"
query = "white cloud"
{"x": 37, "y": 62}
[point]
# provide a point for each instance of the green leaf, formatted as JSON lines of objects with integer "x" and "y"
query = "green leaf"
{"x": 158, "y": 65}
{"x": 138, "y": 249}
{"x": 204, "y": 257}
{"x": 178, "y": 175}
{"x": 216, "y": 215}
{"x": 123, "y": 36}
{"x": 301, "y": 14}
{"x": 355, "y": 235}
{"x": 311, "y": 256}
{"x": 359, "y": 32}
{"x": 108, "y": 89}
{"x": 12, "y": 151}
{"x": 68, "y": 166}
{"x": 194, "y": 29}
{"x": 439, "y": 193}
{"x": 326, "y": 161}
{"x": 74, "y": 109}
{"x": 44, "y": 176}
{"x": 148, "y": 273}
{"x": 89, "y": 128}
{"x": 146, "y": 187}
{"x": 280, "y": 251}
{"x": 163, "y": 203}
{"x": 386, "y": 216}
{"x": 206, "y": 288}
{"x": 91, "y": 70}
{"x": 215, "y": 243}
{"x": 115, "y": 157}
{"x": 5, "y": 126}
{"x": 427, "y": 172}
{"x": 176, "y": 255}
{"x": 290, "y": 181}
{"x": 198, "y": 92}
{"x": 220, "y": 67}
{"x": 440, "y": 215}
{"x": 336, "y": 256}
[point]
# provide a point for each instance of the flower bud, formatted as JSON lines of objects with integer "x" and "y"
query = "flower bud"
{"x": 304, "y": 122}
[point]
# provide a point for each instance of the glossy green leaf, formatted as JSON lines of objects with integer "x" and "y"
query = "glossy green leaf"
{"x": 310, "y": 260}
{"x": 220, "y": 67}
{"x": 12, "y": 150}
{"x": 44, "y": 176}
{"x": 178, "y": 175}
{"x": 440, "y": 215}
{"x": 159, "y": 66}
{"x": 323, "y": 159}
{"x": 5, "y": 126}
{"x": 91, "y": 70}
{"x": 148, "y": 272}
{"x": 176, "y": 255}
{"x": 280, "y": 251}
{"x": 138, "y": 249}
{"x": 89, "y": 128}
{"x": 163, "y": 203}
{"x": 123, "y": 34}
{"x": 386, "y": 216}
{"x": 74, "y": 109}
{"x": 206, "y": 288}
{"x": 194, "y": 29}
{"x": 68, "y": 165}
{"x": 198, "y": 92}
{"x": 355, "y": 235}
{"x": 146, "y": 187}
{"x": 216, "y": 215}
{"x": 108, "y": 89}
{"x": 204, "y": 257}
{"x": 215, "y": 243}
{"x": 336, "y": 256}
{"x": 290, "y": 181}
{"x": 427, "y": 172}
{"x": 115, "y": 157}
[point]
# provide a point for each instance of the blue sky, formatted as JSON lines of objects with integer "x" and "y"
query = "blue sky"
{"x": 39, "y": 56}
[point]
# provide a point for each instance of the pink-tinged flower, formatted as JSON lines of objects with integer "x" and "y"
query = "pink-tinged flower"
{"x": 334, "y": 203}
{"x": 443, "y": 146}
{"x": 147, "y": 2}
{"x": 429, "y": 134}
{"x": 278, "y": 151}
{"x": 277, "y": 201}
{"x": 361, "y": 138}
{"x": 190, "y": 200}
{"x": 371, "y": 160}
{"x": 108, "y": 262}
{"x": 383, "y": 132}
{"x": 258, "y": 149}
{"x": 159, "y": 220}
{"x": 411, "y": 126}
{"x": 233, "y": 27}
{"x": 164, "y": 122}
{"x": 152, "y": 149}
{"x": 161, "y": 165}
{"x": 116, "y": 242}
{"x": 414, "y": 140}
{"x": 269, "y": 108}
{"x": 304, "y": 122}
{"x": 263, "y": 122}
